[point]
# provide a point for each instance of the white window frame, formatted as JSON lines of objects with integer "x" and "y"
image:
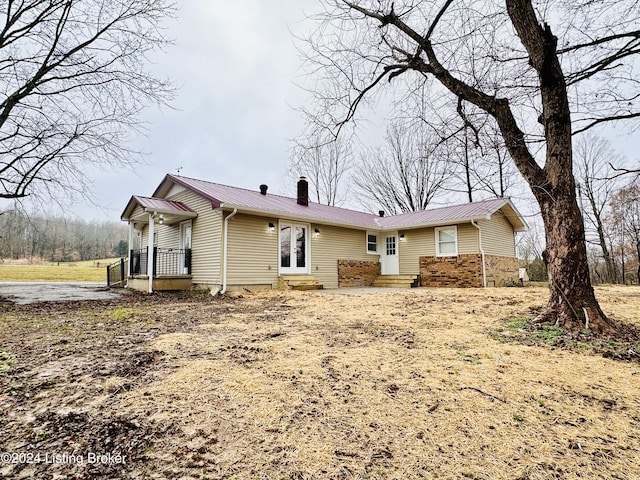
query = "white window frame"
{"x": 437, "y": 238}
{"x": 393, "y": 245}
{"x": 366, "y": 243}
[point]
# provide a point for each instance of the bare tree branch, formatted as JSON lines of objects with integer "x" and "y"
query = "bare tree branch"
{"x": 73, "y": 83}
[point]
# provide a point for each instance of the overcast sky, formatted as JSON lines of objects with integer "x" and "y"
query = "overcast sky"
{"x": 235, "y": 66}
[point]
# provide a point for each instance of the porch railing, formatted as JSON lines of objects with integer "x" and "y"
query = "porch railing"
{"x": 138, "y": 259}
{"x": 166, "y": 261}
{"x": 117, "y": 272}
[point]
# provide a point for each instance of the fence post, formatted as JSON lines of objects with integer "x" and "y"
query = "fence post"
{"x": 108, "y": 275}
{"x": 122, "y": 277}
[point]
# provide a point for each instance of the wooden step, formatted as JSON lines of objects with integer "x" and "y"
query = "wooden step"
{"x": 299, "y": 282}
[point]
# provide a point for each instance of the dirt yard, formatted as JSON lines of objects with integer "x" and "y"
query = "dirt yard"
{"x": 434, "y": 384}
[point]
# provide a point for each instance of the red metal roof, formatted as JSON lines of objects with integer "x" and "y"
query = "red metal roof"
{"x": 466, "y": 211}
{"x": 249, "y": 200}
{"x": 233, "y": 197}
{"x": 151, "y": 203}
{"x": 154, "y": 204}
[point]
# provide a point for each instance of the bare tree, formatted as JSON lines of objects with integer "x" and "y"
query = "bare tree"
{"x": 506, "y": 60}
{"x": 495, "y": 171}
{"x": 625, "y": 205}
{"x": 325, "y": 163}
{"x": 485, "y": 166}
{"x": 405, "y": 174}
{"x": 73, "y": 82}
{"x": 592, "y": 158}
{"x": 530, "y": 248}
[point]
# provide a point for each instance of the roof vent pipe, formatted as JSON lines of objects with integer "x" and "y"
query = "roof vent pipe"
{"x": 303, "y": 192}
{"x": 381, "y": 213}
{"x": 263, "y": 189}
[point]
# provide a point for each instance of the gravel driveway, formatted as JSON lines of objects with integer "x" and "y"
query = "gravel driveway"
{"x": 32, "y": 292}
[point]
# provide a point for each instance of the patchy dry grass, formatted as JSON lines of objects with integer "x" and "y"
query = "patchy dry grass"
{"x": 315, "y": 385}
{"x": 52, "y": 273}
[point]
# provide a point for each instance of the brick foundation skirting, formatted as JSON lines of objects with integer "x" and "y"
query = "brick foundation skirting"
{"x": 357, "y": 273}
{"x": 466, "y": 271}
{"x": 501, "y": 270}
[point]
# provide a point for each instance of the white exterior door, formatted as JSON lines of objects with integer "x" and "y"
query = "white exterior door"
{"x": 185, "y": 243}
{"x": 294, "y": 248}
{"x": 389, "y": 259}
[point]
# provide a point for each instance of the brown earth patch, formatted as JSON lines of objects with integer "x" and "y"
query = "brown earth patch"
{"x": 312, "y": 385}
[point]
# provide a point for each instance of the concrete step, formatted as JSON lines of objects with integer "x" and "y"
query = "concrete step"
{"x": 306, "y": 287}
{"x": 396, "y": 281}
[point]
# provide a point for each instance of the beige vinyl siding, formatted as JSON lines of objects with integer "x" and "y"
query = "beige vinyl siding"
{"x": 145, "y": 236}
{"x": 168, "y": 235}
{"x": 422, "y": 243}
{"x": 416, "y": 244}
{"x": 333, "y": 244}
{"x": 144, "y": 230}
{"x": 206, "y": 239}
{"x": 252, "y": 251}
{"x": 136, "y": 211}
{"x": 467, "y": 239}
{"x": 497, "y": 236}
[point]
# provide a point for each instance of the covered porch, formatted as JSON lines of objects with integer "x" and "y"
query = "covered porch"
{"x": 160, "y": 244}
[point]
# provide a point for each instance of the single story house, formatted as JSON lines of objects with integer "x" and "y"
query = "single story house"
{"x": 220, "y": 237}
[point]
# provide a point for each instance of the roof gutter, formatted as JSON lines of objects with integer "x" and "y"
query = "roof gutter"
{"x": 358, "y": 226}
{"x": 225, "y": 249}
{"x": 175, "y": 213}
{"x": 296, "y": 218}
{"x": 484, "y": 270}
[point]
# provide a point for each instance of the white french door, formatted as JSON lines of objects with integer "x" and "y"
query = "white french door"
{"x": 294, "y": 248}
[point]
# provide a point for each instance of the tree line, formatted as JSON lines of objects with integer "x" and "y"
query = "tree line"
{"x": 59, "y": 239}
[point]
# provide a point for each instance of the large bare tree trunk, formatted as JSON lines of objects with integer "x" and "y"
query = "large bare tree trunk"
{"x": 572, "y": 303}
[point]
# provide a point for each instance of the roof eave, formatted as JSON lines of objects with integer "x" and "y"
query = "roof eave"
{"x": 450, "y": 221}
{"x": 299, "y": 218}
{"x": 523, "y": 226}
{"x": 175, "y": 213}
{"x": 131, "y": 205}
{"x": 128, "y": 210}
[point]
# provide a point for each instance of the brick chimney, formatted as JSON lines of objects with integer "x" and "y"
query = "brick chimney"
{"x": 263, "y": 189}
{"x": 303, "y": 192}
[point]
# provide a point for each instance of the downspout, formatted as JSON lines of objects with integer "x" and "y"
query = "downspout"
{"x": 484, "y": 271}
{"x": 224, "y": 250}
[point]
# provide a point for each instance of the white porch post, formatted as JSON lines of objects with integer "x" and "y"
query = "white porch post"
{"x": 150, "y": 251}
{"x": 130, "y": 246}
